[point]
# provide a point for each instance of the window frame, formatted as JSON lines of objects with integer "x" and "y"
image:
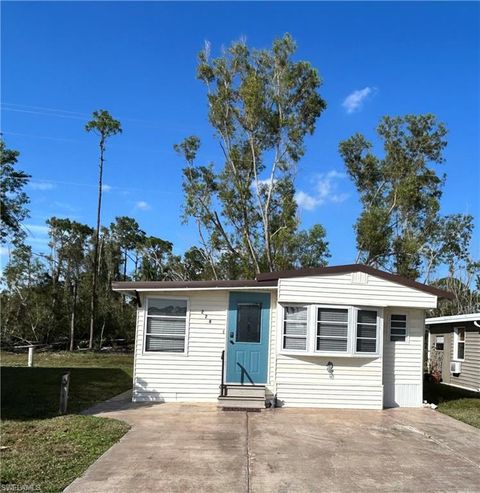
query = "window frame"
{"x": 378, "y": 338}
{"x": 407, "y": 339}
{"x": 456, "y": 341}
{"x": 314, "y": 328}
{"x": 312, "y": 309}
{"x": 282, "y": 318}
{"x": 145, "y": 352}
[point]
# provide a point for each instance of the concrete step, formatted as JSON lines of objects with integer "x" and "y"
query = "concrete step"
{"x": 245, "y": 391}
{"x": 241, "y": 402}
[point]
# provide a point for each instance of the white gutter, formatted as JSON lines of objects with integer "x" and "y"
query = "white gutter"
{"x": 468, "y": 317}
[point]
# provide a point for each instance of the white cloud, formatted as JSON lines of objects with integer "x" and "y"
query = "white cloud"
{"x": 142, "y": 205}
{"x": 354, "y": 101}
{"x": 41, "y": 185}
{"x": 305, "y": 201}
{"x": 4, "y": 251}
{"x": 325, "y": 191}
{"x": 106, "y": 188}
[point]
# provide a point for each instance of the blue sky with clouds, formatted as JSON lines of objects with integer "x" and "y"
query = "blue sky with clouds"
{"x": 61, "y": 61}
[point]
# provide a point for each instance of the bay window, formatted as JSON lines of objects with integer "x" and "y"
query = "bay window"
{"x": 329, "y": 330}
{"x": 332, "y": 330}
{"x": 366, "y": 331}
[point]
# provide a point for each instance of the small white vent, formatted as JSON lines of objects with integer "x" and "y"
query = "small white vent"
{"x": 455, "y": 367}
{"x": 359, "y": 278}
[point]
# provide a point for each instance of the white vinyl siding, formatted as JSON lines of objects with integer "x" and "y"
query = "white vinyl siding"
{"x": 303, "y": 381}
{"x": 193, "y": 376}
{"x": 403, "y": 362}
{"x": 343, "y": 289}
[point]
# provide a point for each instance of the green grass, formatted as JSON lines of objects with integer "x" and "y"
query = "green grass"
{"x": 64, "y": 359}
{"x": 42, "y": 451}
{"x": 460, "y": 404}
{"x": 47, "y": 455}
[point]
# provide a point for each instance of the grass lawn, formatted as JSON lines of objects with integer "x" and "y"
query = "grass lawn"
{"x": 42, "y": 451}
{"x": 458, "y": 403}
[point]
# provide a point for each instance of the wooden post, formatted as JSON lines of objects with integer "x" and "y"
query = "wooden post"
{"x": 30, "y": 356}
{"x": 64, "y": 392}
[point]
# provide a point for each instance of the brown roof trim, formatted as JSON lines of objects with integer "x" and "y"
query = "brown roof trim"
{"x": 342, "y": 269}
{"x": 246, "y": 283}
{"x": 270, "y": 279}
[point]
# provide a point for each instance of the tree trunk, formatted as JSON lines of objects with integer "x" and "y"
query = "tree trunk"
{"x": 124, "y": 278}
{"x": 93, "y": 299}
{"x": 72, "y": 317}
{"x": 101, "y": 334}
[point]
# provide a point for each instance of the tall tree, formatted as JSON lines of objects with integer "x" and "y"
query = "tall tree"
{"x": 400, "y": 191}
{"x": 69, "y": 240}
{"x": 13, "y": 200}
{"x": 104, "y": 126}
{"x": 262, "y": 105}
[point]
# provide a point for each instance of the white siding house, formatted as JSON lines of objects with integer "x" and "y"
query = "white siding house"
{"x": 334, "y": 337}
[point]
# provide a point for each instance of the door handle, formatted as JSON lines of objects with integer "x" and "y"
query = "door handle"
{"x": 231, "y": 335}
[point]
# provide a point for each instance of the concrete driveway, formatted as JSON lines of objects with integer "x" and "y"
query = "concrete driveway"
{"x": 182, "y": 448}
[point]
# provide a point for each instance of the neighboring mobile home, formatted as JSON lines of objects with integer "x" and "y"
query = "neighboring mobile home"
{"x": 337, "y": 337}
{"x": 454, "y": 349}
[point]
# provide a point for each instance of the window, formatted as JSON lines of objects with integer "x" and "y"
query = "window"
{"x": 366, "y": 331}
{"x": 295, "y": 328}
{"x": 248, "y": 322}
{"x": 439, "y": 343}
{"x": 166, "y": 325}
{"x": 459, "y": 343}
{"x": 332, "y": 330}
{"x": 341, "y": 330}
{"x": 398, "y": 328}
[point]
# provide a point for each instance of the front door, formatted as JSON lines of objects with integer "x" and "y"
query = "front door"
{"x": 247, "y": 338}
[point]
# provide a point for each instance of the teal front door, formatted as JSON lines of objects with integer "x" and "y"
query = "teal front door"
{"x": 247, "y": 338}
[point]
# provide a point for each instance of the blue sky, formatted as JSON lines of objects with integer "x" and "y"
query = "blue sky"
{"x": 61, "y": 61}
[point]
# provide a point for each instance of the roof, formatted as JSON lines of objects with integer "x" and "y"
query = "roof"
{"x": 344, "y": 269}
{"x": 467, "y": 317}
{"x": 269, "y": 280}
{"x": 216, "y": 284}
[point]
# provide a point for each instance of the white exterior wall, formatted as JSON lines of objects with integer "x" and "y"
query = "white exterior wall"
{"x": 352, "y": 289}
{"x": 298, "y": 381}
{"x": 303, "y": 381}
{"x": 358, "y": 382}
{"x": 403, "y": 362}
{"x": 194, "y": 376}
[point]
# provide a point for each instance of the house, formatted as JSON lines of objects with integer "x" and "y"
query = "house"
{"x": 454, "y": 349}
{"x": 345, "y": 336}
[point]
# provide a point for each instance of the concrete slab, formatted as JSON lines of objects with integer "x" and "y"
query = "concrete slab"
{"x": 183, "y": 447}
